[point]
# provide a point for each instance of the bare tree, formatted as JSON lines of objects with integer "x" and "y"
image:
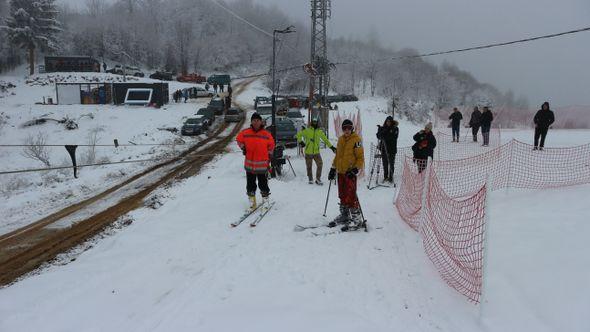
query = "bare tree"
{"x": 36, "y": 148}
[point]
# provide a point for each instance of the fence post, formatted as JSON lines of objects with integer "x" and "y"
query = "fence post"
{"x": 428, "y": 170}
{"x": 72, "y": 151}
{"x": 483, "y": 300}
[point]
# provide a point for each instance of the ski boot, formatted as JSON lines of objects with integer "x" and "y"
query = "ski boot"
{"x": 265, "y": 201}
{"x": 356, "y": 221}
{"x": 342, "y": 218}
{"x": 252, "y": 199}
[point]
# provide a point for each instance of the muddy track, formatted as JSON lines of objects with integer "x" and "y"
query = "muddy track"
{"x": 25, "y": 249}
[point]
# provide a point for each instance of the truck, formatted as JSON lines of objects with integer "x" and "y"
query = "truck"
{"x": 219, "y": 79}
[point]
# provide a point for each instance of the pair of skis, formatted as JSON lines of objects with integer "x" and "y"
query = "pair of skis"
{"x": 263, "y": 208}
{"x": 330, "y": 231}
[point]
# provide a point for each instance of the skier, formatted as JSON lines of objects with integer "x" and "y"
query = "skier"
{"x": 309, "y": 139}
{"x": 486, "y": 123}
{"x": 543, "y": 119}
{"x": 256, "y": 144}
{"x": 348, "y": 161}
{"x": 424, "y": 146}
{"x": 456, "y": 118}
{"x": 474, "y": 122}
{"x": 387, "y": 135}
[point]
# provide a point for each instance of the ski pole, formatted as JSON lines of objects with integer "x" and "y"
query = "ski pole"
{"x": 289, "y": 160}
{"x": 327, "y": 197}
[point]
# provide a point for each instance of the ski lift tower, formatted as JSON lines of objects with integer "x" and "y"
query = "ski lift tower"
{"x": 321, "y": 11}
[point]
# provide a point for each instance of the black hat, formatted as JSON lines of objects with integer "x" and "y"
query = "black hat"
{"x": 347, "y": 123}
{"x": 255, "y": 116}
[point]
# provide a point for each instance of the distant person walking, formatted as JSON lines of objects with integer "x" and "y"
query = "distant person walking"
{"x": 230, "y": 91}
{"x": 220, "y": 87}
{"x": 104, "y": 66}
{"x": 456, "y": 118}
{"x": 424, "y": 146}
{"x": 543, "y": 119}
{"x": 215, "y": 87}
{"x": 486, "y": 123}
{"x": 474, "y": 122}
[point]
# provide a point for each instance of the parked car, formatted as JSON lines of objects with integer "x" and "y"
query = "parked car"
{"x": 219, "y": 79}
{"x": 161, "y": 75}
{"x": 133, "y": 71}
{"x": 195, "y": 125}
{"x": 217, "y": 105}
{"x": 198, "y": 92}
{"x": 194, "y": 77}
{"x": 265, "y": 111}
{"x": 208, "y": 113}
{"x": 281, "y": 105}
{"x": 261, "y": 100}
{"x": 297, "y": 118}
{"x": 234, "y": 115}
{"x": 286, "y": 132}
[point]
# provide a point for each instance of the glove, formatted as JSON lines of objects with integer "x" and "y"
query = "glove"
{"x": 302, "y": 144}
{"x": 244, "y": 150}
{"x": 332, "y": 174}
{"x": 333, "y": 149}
{"x": 352, "y": 173}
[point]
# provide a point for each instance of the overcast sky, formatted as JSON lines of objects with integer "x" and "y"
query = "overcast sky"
{"x": 557, "y": 70}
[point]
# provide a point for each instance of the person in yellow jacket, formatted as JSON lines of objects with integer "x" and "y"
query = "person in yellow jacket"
{"x": 309, "y": 139}
{"x": 348, "y": 161}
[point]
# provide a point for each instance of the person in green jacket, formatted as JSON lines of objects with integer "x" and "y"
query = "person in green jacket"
{"x": 309, "y": 139}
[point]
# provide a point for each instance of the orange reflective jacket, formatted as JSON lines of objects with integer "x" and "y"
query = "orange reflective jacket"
{"x": 258, "y": 144}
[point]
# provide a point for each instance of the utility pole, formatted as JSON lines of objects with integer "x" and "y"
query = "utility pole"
{"x": 321, "y": 11}
{"x": 289, "y": 29}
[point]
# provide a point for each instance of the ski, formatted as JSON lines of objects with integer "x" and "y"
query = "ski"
{"x": 263, "y": 213}
{"x": 245, "y": 216}
{"x": 344, "y": 229}
{"x": 300, "y": 228}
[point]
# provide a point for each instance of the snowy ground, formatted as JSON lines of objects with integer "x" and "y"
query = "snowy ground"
{"x": 28, "y": 197}
{"x": 181, "y": 267}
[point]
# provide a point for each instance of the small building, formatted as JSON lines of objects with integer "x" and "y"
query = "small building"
{"x": 71, "y": 64}
{"x": 111, "y": 93}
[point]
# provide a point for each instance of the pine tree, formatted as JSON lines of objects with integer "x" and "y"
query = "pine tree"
{"x": 33, "y": 24}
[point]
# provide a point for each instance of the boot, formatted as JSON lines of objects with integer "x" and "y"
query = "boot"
{"x": 356, "y": 220}
{"x": 252, "y": 200}
{"x": 319, "y": 182}
{"x": 342, "y": 218}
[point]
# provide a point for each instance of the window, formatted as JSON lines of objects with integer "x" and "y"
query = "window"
{"x": 138, "y": 96}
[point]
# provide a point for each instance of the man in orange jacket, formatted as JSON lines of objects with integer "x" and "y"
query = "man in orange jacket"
{"x": 256, "y": 144}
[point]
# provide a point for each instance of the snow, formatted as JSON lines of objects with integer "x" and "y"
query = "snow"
{"x": 34, "y": 195}
{"x": 181, "y": 267}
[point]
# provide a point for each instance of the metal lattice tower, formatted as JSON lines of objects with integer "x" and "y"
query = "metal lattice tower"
{"x": 321, "y": 11}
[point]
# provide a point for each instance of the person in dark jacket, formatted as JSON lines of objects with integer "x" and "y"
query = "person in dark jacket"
{"x": 215, "y": 87}
{"x": 456, "y": 118}
{"x": 230, "y": 91}
{"x": 424, "y": 146}
{"x": 387, "y": 135}
{"x": 220, "y": 87}
{"x": 486, "y": 123}
{"x": 543, "y": 119}
{"x": 474, "y": 122}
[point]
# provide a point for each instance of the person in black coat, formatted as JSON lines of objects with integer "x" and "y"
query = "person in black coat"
{"x": 456, "y": 118}
{"x": 424, "y": 146}
{"x": 543, "y": 119}
{"x": 486, "y": 123}
{"x": 474, "y": 122}
{"x": 387, "y": 135}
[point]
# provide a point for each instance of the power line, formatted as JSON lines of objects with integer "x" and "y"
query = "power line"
{"x": 442, "y": 52}
{"x": 478, "y": 47}
{"x": 242, "y": 19}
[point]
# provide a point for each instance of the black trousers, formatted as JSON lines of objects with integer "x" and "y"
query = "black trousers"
{"x": 262, "y": 184}
{"x": 542, "y": 133}
{"x": 456, "y": 129}
{"x": 388, "y": 160}
{"x": 474, "y": 130}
